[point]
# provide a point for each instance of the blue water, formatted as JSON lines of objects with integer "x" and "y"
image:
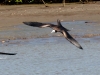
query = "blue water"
{"x": 51, "y": 56}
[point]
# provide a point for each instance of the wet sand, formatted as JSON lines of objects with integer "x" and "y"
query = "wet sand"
{"x": 41, "y": 53}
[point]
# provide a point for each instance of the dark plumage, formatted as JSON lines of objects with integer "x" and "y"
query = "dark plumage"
{"x": 8, "y": 53}
{"x": 56, "y": 28}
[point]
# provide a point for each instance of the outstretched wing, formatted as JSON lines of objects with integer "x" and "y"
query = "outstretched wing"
{"x": 37, "y": 24}
{"x": 59, "y": 24}
{"x": 71, "y": 39}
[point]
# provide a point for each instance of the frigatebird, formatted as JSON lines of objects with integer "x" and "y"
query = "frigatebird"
{"x": 56, "y": 28}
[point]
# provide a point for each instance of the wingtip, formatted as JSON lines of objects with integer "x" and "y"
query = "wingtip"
{"x": 8, "y": 53}
{"x": 27, "y": 23}
{"x": 81, "y": 48}
{"x": 12, "y": 54}
{"x": 59, "y": 23}
{"x": 24, "y": 22}
{"x": 58, "y": 20}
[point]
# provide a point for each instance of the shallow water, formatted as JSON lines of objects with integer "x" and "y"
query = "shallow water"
{"x": 52, "y": 55}
{"x": 79, "y": 28}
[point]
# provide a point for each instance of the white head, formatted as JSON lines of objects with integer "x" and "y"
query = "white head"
{"x": 53, "y": 31}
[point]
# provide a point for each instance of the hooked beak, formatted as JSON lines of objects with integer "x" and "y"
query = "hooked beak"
{"x": 53, "y": 31}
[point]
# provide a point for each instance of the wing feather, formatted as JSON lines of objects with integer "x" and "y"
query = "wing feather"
{"x": 37, "y": 24}
{"x": 59, "y": 24}
{"x": 71, "y": 39}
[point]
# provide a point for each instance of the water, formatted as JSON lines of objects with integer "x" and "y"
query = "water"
{"x": 79, "y": 28}
{"x": 52, "y": 55}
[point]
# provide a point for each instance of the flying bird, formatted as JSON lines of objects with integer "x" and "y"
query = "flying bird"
{"x": 56, "y": 28}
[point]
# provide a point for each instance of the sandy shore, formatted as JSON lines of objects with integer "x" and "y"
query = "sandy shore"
{"x": 16, "y": 14}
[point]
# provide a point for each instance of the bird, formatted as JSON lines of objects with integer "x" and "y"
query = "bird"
{"x": 56, "y": 28}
